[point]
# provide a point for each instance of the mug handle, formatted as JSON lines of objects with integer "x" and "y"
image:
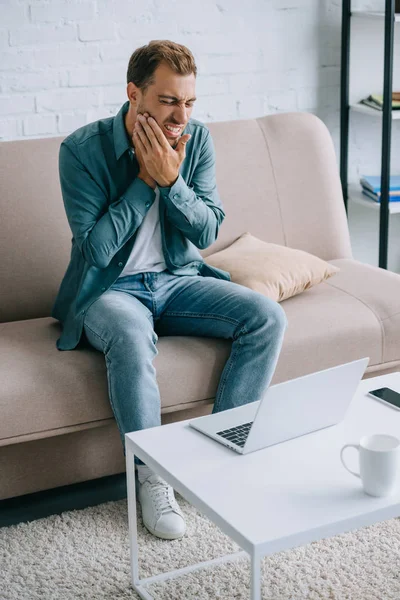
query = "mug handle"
{"x": 342, "y": 459}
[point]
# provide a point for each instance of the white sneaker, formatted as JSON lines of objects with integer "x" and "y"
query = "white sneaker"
{"x": 160, "y": 511}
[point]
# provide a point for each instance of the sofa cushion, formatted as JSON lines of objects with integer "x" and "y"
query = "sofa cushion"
{"x": 276, "y": 271}
{"x": 47, "y": 392}
{"x": 349, "y": 316}
{"x": 379, "y": 290}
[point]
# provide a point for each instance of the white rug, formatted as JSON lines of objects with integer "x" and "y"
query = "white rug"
{"x": 85, "y": 554}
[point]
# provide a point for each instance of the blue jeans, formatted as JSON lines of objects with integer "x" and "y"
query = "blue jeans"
{"x": 125, "y": 322}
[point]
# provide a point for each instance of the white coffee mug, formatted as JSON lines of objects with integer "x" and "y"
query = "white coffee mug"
{"x": 379, "y": 456}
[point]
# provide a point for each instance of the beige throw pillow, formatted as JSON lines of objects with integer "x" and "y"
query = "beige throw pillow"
{"x": 273, "y": 270}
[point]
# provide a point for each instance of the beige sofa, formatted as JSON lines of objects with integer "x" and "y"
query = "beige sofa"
{"x": 278, "y": 179}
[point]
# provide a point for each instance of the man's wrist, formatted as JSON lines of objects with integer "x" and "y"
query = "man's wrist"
{"x": 171, "y": 183}
{"x": 150, "y": 182}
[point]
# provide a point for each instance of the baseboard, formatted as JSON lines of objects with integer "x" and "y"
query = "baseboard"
{"x": 57, "y": 500}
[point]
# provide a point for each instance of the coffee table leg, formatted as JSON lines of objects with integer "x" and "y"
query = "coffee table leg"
{"x": 131, "y": 492}
{"x": 255, "y": 577}
{"x": 139, "y": 584}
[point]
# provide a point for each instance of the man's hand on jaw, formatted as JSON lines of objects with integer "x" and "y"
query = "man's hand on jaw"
{"x": 160, "y": 160}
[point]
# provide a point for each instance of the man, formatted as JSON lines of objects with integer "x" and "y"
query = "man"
{"x": 140, "y": 195}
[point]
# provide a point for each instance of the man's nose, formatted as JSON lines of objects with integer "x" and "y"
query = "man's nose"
{"x": 180, "y": 114}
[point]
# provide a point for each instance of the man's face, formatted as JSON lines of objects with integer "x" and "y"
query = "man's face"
{"x": 169, "y": 100}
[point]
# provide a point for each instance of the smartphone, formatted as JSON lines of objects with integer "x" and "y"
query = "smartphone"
{"x": 387, "y": 396}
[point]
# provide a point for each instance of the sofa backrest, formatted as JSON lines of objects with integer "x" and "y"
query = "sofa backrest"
{"x": 277, "y": 177}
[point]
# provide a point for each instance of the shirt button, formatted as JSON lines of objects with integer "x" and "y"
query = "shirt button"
{"x": 147, "y": 204}
{"x": 176, "y": 196}
{"x": 120, "y": 264}
{"x": 103, "y": 289}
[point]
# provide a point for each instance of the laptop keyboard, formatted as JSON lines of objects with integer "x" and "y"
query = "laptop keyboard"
{"x": 237, "y": 435}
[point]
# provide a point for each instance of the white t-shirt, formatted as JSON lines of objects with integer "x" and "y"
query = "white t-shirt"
{"x": 147, "y": 253}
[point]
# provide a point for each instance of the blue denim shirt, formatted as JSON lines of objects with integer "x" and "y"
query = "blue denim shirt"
{"x": 106, "y": 202}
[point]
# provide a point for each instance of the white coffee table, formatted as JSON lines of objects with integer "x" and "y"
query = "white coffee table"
{"x": 278, "y": 498}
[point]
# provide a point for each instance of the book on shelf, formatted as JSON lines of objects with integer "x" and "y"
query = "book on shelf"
{"x": 371, "y": 187}
{"x": 373, "y": 183}
{"x": 392, "y": 197}
{"x": 376, "y": 101}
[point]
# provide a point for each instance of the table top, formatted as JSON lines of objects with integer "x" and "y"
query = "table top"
{"x": 283, "y": 496}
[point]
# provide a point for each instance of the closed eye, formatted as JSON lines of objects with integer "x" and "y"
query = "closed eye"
{"x": 189, "y": 104}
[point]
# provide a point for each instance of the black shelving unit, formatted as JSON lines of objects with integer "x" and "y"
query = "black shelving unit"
{"x": 389, "y": 19}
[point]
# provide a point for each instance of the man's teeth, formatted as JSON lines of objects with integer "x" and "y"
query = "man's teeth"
{"x": 173, "y": 129}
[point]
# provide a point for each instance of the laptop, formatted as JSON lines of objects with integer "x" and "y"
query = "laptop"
{"x": 287, "y": 410}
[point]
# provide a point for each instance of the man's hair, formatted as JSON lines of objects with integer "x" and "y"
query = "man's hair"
{"x": 145, "y": 60}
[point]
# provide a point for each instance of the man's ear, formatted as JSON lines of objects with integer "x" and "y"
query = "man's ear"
{"x": 132, "y": 93}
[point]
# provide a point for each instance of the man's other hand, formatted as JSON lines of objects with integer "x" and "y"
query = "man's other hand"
{"x": 143, "y": 174}
{"x": 160, "y": 161}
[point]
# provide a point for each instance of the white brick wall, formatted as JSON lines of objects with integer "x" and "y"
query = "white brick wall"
{"x": 16, "y": 104}
{"x": 57, "y": 11}
{"x": 39, "y": 125}
{"x": 63, "y": 62}
{"x": 100, "y": 30}
{"x": 30, "y": 35}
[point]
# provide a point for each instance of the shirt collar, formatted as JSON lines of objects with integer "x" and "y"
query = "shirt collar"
{"x": 121, "y": 141}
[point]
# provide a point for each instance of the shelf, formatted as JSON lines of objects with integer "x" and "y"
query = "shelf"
{"x": 367, "y": 60}
{"x": 355, "y": 194}
{"x": 369, "y": 14}
{"x": 373, "y": 112}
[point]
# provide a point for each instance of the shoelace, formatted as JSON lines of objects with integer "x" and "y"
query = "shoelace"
{"x": 161, "y": 495}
